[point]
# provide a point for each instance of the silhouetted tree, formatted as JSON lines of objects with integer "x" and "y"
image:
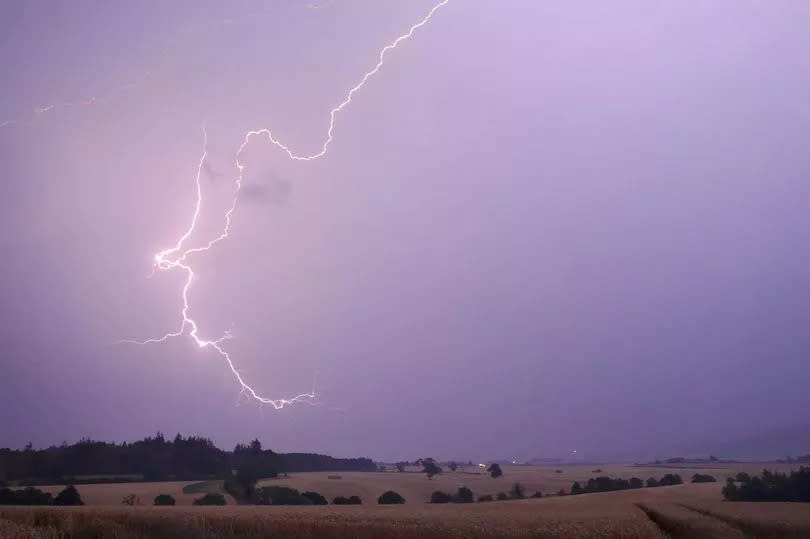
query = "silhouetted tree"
{"x": 517, "y": 492}
{"x": 453, "y": 466}
{"x": 440, "y": 497}
{"x": 495, "y": 470}
{"x": 576, "y": 488}
{"x": 652, "y": 482}
{"x": 430, "y": 467}
{"x": 703, "y": 478}
{"x": 164, "y": 499}
{"x": 390, "y": 497}
{"x": 315, "y": 498}
{"x": 464, "y": 495}
{"x": 635, "y": 482}
{"x": 68, "y": 496}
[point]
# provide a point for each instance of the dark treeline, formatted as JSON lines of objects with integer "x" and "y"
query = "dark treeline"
{"x": 770, "y": 487}
{"x": 153, "y": 459}
{"x": 608, "y": 484}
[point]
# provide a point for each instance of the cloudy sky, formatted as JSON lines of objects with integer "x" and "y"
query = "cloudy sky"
{"x": 542, "y": 226}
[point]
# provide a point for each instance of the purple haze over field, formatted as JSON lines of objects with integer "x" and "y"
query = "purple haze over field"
{"x": 542, "y": 226}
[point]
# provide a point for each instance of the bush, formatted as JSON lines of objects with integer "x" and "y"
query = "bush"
{"x": 440, "y": 497}
{"x": 501, "y": 496}
{"x": 278, "y": 495}
{"x": 485, "y": 498}
{"x": 703, "y": 478}
{"x": 68, "y": 496}
{"x": 576, "y": 488}
{"x": 742, "y": 477}
{"x": 26, "y": 496}
{"x": 670, "y": 479}
{"x": 517, "y": 492}
{"x": 390, "y": 497}
{"x": 635, "y": 482}
{"x": 771, "y": 487}
{"x": 314, "y": 498}
{"x": 212, "y": 498}
{"x": 355, "y": 500}
{"x": 652, "y": 482}
{"x": 164, "y": 499}
{"x": 464, "y": 495}
{"x": 351, "y": 500}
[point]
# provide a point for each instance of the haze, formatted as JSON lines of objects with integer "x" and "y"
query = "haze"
{"x": 542, "y": 227}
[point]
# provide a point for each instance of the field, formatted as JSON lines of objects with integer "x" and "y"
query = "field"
{"x": 690, "y": 510}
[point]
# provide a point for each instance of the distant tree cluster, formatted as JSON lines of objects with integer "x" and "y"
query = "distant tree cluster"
{"x": 770, "y": 487}
{"x": 464, "y": 495}
{"x": 703, "y": 478}
{"x": 33, "y": 496}
{"x": 155, "y": 459}
{"x": 351, "y": 500}
{"x": 608, "y": 484}
{"x": 495, "y": 470}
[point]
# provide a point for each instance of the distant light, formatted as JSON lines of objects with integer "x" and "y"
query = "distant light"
{"x": 482, "y": 465}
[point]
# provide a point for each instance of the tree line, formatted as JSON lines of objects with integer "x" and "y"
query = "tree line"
{"x": 770, "y": 487}
{"x": 154, "y": 459}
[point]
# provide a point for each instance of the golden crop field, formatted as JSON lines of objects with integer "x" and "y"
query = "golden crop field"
{"x": 689, "y": 510}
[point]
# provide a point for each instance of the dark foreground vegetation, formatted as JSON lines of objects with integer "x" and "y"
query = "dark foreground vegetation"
{"x": 770, "y": 487}
{"x": 155, "y": 459}
{"x": 33, "y": 496}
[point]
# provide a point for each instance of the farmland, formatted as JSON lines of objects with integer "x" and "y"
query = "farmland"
{"x": 689, "y": 510}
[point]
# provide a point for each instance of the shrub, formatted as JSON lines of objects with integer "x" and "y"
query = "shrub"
{"x": 355, "y": 500}
{"x": 278, "y": 495}
{"x": 517, "y": 492}
{"x": 212, "y": 498}
{"x": 501, "y": 496}
{"x": 464, "y": 495}
{"x": 164, "y": 499}
{"x": 652, "y": 482}
{"x": 485, "y": 498}
{"x": 703, "y": 478}
{"x": 670, "y": 479}
{"x": 340, "y": 500}
{"x": 26, "y": 496}
{"x": 742, "y": 477}
{"x": 314, "y": 498}
{"x": 68, "y": 496}
{"x": 390, "y": 497}
{"x": 440, "y": 497}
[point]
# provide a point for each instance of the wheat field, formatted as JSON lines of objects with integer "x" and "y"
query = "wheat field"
{"x": 689, "y": 510}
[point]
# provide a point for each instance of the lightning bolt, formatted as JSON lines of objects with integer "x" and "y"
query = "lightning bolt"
{"x": 176, "y": 257}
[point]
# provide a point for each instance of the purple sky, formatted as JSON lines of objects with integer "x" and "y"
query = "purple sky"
{"x": 543, "y": 226}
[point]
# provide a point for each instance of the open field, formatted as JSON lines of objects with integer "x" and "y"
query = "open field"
{"x": 655, "y": 513}
{"x": 689, "y": 510}
{"x": 414, "y": 486}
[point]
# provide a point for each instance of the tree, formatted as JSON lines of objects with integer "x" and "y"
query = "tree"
{"x": 537, "y": 494}
{"x": 501, "y": 496}
{"x": 315, "y": 498}
{"x": 453, "y": 466}
{"x": 164, "y": 499}
{"x": 485, "y": 498}
{"x": 212, "y": 498}
{"x": 400, "y": 466}
{"x": 495, "y": 470}
{"x": 68, "y": 496}
{"x": 440, "y": 497}
{"x": 464, "y": 495}
{"x": 355, "y": 500}
{"x": 652, "y": 482}
{"x": 743, "y": 477}
{"x": 430, "y": 468}
{"x": 670, "y": 479}
{"x": 390, "y": 497}
{"x": 351, "y": 500}
{"x": 576, "y": 488}
{"x": 703, "y": 478}
{"x": 635, "y": 482}
{"x": 517, "y": 492}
